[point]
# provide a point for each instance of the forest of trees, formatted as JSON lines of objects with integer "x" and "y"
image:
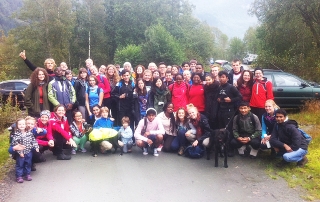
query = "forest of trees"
{"x": 140, "y": 31}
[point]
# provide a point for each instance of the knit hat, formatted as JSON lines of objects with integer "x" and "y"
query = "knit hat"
{"x": 151, "y": 111}
{"x": 45, "y": 112}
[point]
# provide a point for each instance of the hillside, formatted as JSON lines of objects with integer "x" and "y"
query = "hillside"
{"x": 7, "y": 8}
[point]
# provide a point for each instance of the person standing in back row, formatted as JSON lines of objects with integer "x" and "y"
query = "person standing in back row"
{"x": 235, "y": 73}
{"x": 261, "y": 92}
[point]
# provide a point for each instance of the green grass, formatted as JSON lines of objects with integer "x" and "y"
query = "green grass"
{"x": 5, "y": 163}
{"x": 308, "y": 177}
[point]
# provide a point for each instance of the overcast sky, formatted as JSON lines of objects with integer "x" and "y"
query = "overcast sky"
{"x": 230, "y": 16}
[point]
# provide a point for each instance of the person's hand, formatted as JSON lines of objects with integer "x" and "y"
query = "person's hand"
{"x": 195, "y": 143}
{"x": 39, "y": 130}
{"x": 18, "y": 147}
{"x": 219, "y": 100}
{"x": 122, "y": 96}
{"x": 71, "y": 142}
{"x": 23, "y": 55}
{"x": 90, "y": 113}
{"x": 69, "y": 106}
{"x": 150, "y": 142}
{"x": 22, "y": 155}
{"x": 227, "y": 99}
{"x": 265, "y": 139}
{"x": 188, "y": 133}
{"x": 146, "y": 134}
{"x": 51, "y": 143}
{"x": 287, "y": 148}
{"x": 276, "y": 149}
{"x": 112, "y": 119}
{"x": 37, "y": 150}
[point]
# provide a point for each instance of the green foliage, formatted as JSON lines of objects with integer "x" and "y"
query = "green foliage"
{"x": 161, "y": 46}
{"x": 289, "y": 35}
{"x": 9, "y": 112}
{"x": 236, "y": 48}
{"x": 132, "y": 53}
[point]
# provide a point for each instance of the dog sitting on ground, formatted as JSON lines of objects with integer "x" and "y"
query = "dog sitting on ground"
{"x": 218, "y": 140}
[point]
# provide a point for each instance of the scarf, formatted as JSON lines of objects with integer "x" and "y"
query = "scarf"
{"x": 159, "y": 91}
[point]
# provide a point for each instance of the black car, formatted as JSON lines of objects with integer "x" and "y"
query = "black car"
{"x": 17, "y": 87}
{"x": 290, "y": 90}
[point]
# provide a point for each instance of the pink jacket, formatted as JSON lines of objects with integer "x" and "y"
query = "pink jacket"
{"x": 155, "y": 128}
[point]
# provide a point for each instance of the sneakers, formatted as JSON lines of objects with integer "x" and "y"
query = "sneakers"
{"x": 83, "y": 150}
{"x": 145, "y": 151}
{"x": 302, "y": 162}
{"x": 62, "y": 156}
{"x": 160, "y": 147}
{"x": 181, "y": 151}
{"x": 28, "y": 178}
{"x": 155, "y": 152}
{"x": 73, "y": 151}
{"x": 19, "y": 180}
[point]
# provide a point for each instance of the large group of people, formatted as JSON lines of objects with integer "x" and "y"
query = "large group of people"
{"x": 158, "y": 108}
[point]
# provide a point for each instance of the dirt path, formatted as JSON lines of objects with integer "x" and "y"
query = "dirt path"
{"x": 134, "y": 177}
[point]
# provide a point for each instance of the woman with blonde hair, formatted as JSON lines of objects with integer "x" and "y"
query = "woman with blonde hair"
{"x": 113, "y": 77}
{"x": 268, "y": 122}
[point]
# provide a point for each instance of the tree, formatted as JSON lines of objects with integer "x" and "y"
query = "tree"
{"x": 47, "y": 30}
{"x": 251, "y": 41}
{"x": 161, "y": 46}
{"x": 130, "y": 53}
{"x": 236, "y": 48}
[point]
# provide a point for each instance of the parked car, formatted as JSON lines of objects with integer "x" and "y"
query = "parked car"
{"x": 225, "y": 65}
{"x": 249, "y": 58}
{"x": 290, "y": 90}
{"x": 17, "y": 87}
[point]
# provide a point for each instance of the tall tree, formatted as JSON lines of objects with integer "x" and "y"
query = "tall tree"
{"x": 236, "y": 48}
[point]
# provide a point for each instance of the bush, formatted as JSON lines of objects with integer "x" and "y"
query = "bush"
{"x": 130, "y": 53}
{"x": 9, "y": 112}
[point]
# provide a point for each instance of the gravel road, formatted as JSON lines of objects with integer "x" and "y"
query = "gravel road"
{"x": 134, "y": 177}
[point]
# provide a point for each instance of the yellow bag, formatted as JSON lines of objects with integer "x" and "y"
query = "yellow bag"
{"x": 102, "y": 134}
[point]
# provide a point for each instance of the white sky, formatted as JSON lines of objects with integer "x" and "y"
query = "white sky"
{"x": 230, "y": 16}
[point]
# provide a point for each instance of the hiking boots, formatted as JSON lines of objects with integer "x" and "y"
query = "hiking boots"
{"x": 282, "y": 163}
{"x": 302, "y": 162}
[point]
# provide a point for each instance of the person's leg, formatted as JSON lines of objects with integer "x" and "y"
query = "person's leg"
{"x": 295, "y": 156}
{"x": 255, "y": 144}
{"x": 82, "y": 110}
{"x": 175, "y": 144}
{"x": 181, "y": 137}
{"x": 77, "y": 141}
{"x": 167, "y": 143}
{"x": 158, "y": 140}
{"x": 19, "y": 166}
{"x": 37, "y": 157}
{"x": 27, "y": 164}
{"x": 235, "y": 144}
{"x": 82, "y": 142}
{"x": 107, "y": 102}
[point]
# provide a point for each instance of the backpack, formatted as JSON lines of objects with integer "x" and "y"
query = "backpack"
{"x": 144, "y": 129}
{"x": 305, "y": 135}
{"x": 194, "y": 152}
{"x": 251, "y": 118}
{"x": 98, "y": 91}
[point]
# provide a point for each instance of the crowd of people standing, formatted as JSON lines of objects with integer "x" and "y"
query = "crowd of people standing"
{"x": 161, "y": 107}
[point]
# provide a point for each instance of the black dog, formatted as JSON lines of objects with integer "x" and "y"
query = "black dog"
{"x": 115, "y": 144}
{"x": 219, "y": 141}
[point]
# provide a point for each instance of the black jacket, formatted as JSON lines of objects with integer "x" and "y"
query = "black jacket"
{"x": 288, "y": 133}
{"x": 228, "y": 90}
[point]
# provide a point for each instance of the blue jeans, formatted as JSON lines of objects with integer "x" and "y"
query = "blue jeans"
{"x": 181, "y": 137}
{"x": 295, "y": 156}
{"x": 23, "y": 165}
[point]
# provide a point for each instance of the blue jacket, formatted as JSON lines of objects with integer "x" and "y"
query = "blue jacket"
{"x": 103, "y": 123}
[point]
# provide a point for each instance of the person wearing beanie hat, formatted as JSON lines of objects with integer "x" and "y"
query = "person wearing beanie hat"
{"x": 149, "y": 132}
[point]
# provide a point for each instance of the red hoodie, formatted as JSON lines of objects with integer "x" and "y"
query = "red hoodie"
{"x": 60, "y": 126}
{"x": 261, "y": 92}
{"x": 196, "y": 97}
{"x": 44, "y": 139}
{"x": 179, "y": 95}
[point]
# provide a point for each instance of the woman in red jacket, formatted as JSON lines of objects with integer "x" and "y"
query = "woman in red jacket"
{"x": 196, "y": 93}
{"x": 61, "y": 132}
{"x": 261, "y": 92}
{"x": 244, "y": 85}
{"x": 179, "y": 92}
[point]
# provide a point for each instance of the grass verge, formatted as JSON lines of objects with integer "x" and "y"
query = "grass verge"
{"x": 5, "y": 162}
{"x": 308, "y": 177}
